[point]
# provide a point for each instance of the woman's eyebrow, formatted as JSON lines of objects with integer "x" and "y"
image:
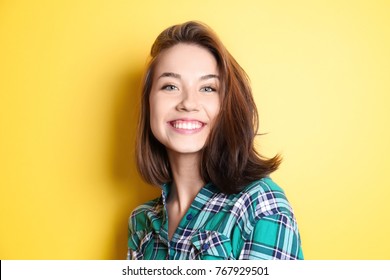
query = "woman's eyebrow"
{"x": 209, "y": 76}
{"x": 170, "y": 74}
{"x": 178, "y": 76}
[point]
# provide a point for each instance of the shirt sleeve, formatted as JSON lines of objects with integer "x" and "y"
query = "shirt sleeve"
{"x": 274, "y": 237}
{"x": 129, "y": 234}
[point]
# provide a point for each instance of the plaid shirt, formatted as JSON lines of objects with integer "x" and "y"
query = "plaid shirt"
{"x": 257, "y": 223}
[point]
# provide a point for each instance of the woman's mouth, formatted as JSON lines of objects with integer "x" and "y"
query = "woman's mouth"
{"x": 187, "y": 126}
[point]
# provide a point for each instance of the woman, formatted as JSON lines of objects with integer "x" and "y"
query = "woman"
{"x": 195, "y": 140}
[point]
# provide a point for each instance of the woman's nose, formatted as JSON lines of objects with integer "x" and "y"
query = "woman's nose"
{"x": 188, "y": 102}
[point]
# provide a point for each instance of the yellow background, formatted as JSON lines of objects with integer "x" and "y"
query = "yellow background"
{"x": 69, "y": 78}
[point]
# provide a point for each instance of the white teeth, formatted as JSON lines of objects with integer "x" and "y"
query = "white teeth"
{"x": 187, "y": 125}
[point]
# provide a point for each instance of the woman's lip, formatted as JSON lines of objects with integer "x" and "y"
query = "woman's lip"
{"x": 186, "y": 120}
{"x": 186, "y": 126}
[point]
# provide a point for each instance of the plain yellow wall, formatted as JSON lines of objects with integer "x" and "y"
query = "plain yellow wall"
{"x": 69, "y": 79}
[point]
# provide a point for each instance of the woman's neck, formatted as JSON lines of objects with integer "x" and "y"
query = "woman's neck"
{"x": 187, "y": 181}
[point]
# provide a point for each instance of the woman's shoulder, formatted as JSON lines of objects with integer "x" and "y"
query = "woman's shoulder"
{"x": 147, "y": 206}
{"x": 268, "y": 225}
{"x": 259, "y": 199}
{"x": 144, "y": 214}
{"x": 263, "y": 185}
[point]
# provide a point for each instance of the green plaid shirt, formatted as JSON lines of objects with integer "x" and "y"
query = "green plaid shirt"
{"x": 257, "y": 223}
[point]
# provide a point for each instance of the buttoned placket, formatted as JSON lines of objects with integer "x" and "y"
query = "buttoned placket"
{"x": 164, "y": 226}
{"x": 188, "y": 218}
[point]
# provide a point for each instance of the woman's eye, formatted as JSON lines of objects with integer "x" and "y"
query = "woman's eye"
{"x": 169, "y": 87}
{"x": 207, "y": 89}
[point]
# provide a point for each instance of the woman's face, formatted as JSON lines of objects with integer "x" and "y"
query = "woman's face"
{"x": 184, "y": 99}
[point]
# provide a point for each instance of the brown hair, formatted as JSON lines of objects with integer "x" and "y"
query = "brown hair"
{"x": 229, "y": 159}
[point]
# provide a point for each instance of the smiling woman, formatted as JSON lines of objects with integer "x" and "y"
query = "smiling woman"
{"x": 195, "y": 141}
{"x": 184, "y": 99}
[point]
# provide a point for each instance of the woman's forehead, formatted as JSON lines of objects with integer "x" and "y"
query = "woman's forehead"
{"x": 185, "y": 59}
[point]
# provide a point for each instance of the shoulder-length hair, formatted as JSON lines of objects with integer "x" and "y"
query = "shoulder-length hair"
{"x": 229, "y": 159}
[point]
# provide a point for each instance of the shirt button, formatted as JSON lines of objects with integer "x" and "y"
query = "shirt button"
{"x": 189, "y": 217}
{"x": 205, "y": 246}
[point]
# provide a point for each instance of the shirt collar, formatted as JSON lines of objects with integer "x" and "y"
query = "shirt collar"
{"x": 207, "y": 190}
